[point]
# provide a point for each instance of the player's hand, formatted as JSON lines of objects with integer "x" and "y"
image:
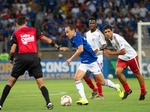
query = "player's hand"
{"x": 68, "y": 61}
{"x": 11, "y": 61}
{"x": 107, "y": 51}
{"x": 63, "y": 48}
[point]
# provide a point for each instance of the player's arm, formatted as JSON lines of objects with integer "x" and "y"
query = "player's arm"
{"x": 110, "y": 52}
{"x": 102, "y": 41}
{"x": 12, "y": 52}
{"x": 76, "y": 54}
{"x": 120, "y": 48}
{"x": 13, "y": 45}
{"x": 104, "y": 46}
{"x": 52, "y": 43}
{"x": 45, "y": 39}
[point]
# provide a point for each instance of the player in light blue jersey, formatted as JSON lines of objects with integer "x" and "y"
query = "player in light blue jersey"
{"x": 88, "y": 62}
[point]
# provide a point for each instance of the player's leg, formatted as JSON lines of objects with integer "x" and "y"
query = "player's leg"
{"x": 6, "y": 90}
{"x": 96, "y": 70}
{"x": 99, "y": 86}
{"x": 109, "y": 83}
{"x": 16, "y": 71}
{"x": 44, "y": 91}
{"x": 120, "y": 66}
{"x": 100, "y": 92}
{"x": 133, "y": 64}
{"x": 35, "y": 70}
{"x": 78, "y": 77}
{"x": 142, "y": 85}
{"x": 89, "y": 82}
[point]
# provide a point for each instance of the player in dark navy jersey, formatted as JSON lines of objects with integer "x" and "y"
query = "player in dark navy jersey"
{"x": 88, "y": 62}
{"x": 24, "y": 39}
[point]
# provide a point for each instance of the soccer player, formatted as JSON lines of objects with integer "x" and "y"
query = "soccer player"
{"x": 127, "y": 57}
{"x": 97, "y": 41}
{"x": 27, "y": 58}
{"x": 88, "y": 62}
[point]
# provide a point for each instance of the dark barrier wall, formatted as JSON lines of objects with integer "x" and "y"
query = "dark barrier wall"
{"x": 56, "y": 69}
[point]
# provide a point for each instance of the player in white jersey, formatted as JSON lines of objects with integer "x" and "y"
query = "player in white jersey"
{"x": 127, "y": 57}
{"x": 97, "y": 41}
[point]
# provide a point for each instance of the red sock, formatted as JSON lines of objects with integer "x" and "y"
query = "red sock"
{"x": 99, "y": 87}
{"x": 142, "y": 87}
{"x": 126, "y": 87}
{"x": 90, "y": 84}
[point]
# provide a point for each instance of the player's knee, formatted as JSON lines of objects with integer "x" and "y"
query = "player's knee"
{"x": 118, "y": 73}
{"x": 138, "y": 74}
{"x": 86, "y": 76}
{"x": 77, "y": 78}
{"x": 12, "y": 81}
{"x": 102, "y": 83}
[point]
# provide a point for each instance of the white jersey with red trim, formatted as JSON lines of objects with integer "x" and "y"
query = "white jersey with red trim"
{"x": 118, "y": 42}
{"x": 96, "y": 39}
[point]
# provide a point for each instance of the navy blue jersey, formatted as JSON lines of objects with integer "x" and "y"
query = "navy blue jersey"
{"x": 87, "y": 56}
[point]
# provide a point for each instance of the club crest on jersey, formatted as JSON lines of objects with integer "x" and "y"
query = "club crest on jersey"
{"x": 26, "y": 38}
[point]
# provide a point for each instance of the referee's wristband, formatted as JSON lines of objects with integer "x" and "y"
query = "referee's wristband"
{"x": 11, "y": 58}
{"x": 52, "y": 43}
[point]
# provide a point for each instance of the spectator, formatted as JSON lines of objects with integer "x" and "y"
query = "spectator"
{"x": 123, "y": 11}
{"x": 143, "y": 10}
{"x": 75, "y": 9}
{"x": 91, "y": 6}
{"x": 135, "y": 10}
{"x": 110, "y": 20}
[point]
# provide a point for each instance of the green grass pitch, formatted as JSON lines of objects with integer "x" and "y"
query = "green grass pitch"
{"x": 26, "y": 97}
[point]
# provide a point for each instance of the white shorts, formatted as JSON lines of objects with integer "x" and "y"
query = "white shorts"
{"x": 94, "y": 67}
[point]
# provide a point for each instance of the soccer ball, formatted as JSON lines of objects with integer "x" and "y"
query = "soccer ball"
{"x": 66, "y": 100}
{"x": 110, "y": 76}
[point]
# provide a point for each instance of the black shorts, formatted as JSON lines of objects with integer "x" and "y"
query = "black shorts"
{"x": 29, "y": 62}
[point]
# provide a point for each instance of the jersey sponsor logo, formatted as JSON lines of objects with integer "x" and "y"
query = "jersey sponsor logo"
{"x": 93, "y": 39}
{"x": 26, "y": 38}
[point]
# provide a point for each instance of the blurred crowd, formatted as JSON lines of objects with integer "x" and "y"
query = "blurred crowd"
{"x": 51, "y": 16}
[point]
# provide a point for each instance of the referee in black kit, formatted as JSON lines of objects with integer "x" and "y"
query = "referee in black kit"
{"x": 24, "y": 41}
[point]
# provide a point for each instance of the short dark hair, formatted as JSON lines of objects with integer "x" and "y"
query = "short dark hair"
{"x": 72, "y": 27}
{"x": 21, "y": 20}
{"x": 107, "y": 27}
{"x": 92, "y": 18}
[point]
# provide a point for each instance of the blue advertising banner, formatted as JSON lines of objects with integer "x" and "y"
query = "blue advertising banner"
{"x": 57, "y": 69}
{"x": 52, "y": 69}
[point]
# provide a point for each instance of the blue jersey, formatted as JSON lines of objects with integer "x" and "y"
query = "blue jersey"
{"x": 87, "y": 56}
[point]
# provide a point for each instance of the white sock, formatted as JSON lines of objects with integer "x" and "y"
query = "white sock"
{"x": 109, "y": 83}
{"x": 80, "y": 89}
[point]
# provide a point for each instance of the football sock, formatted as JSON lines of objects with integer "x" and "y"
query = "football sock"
{"x": 109, "y": 83}
{"x": 5, "y": 93}
{"x": 80, "y": 89}
{"x": 45, "y": 94}
{"x": 126, "y": 87}
{"x": 90, "y": 84}
{"x": 99, "y": 87}
{"x": 142, "y": 87}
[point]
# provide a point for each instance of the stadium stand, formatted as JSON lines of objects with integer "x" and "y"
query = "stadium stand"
{"x": 51, "y": 16}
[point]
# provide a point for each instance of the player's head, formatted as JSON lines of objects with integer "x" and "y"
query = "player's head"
{"x": 108, "y": 32}
{"x": 21, "y": 21}
{"x": 70, "y": 31}
{"x": 92, "y": 23}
